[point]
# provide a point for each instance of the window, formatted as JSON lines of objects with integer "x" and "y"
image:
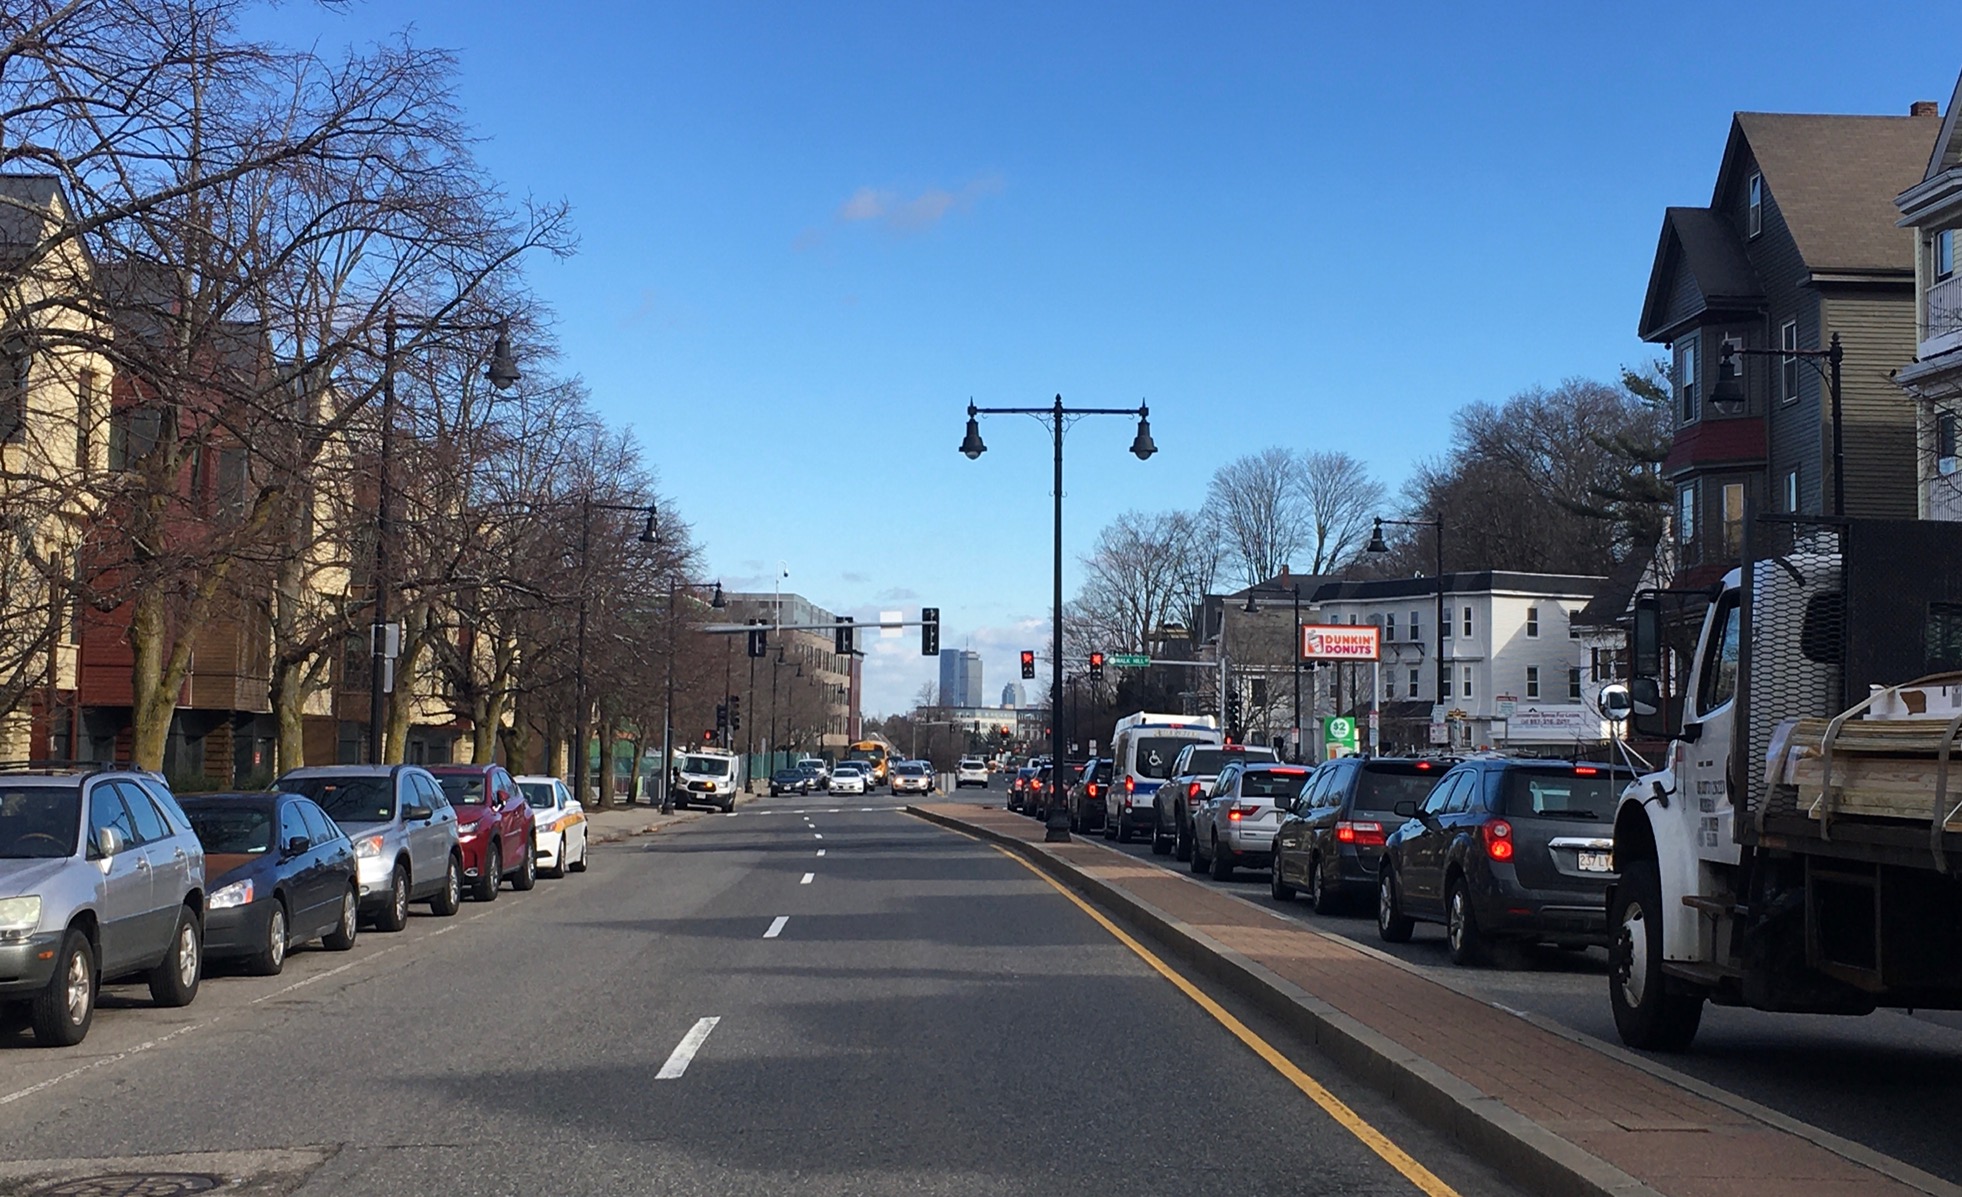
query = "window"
{"x": 1466, "y": 678}
{"x": 233, "y": 475}
{"x": 1733, "y": 518}
{"x": 1468, "y": 623}
{"x": 84, "y": 417}
{"x": 1532, "y": 681}
{"x": 1573, "y": 629}
{"x": 1756, "y": 215}
{"x": 1574, "y": 683}
{"x": 150, "y": 825}
{"x": 292, "y": 825}
{"x": 1446, "y": 634}
{"x": 1788, "y": 365}
{"x": 106, "y": 812}
{"x": 1944, "y": 254}
{"x": 1444, "y": 679}
{"x": 1416, "y": 629}
{"x": 1720, "y": 668}
{"x": 14, "y": 363}
{"x": 1415, "y": 680}
{"x": 1389, "y": 628}
{"x": 1686, "y": 376}
{"x": 320, "y": 828}
{"x": 1791, "y": 491}
{"x": 1532, "y": 623}
{"x": 133, "y": 433}
{"x": 1686, "y": 522}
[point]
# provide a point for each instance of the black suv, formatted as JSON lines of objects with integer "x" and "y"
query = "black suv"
{"x": 1086, "y": 797}
{"x": 1505, "y": 849}
{"x": 1333, "y": 836}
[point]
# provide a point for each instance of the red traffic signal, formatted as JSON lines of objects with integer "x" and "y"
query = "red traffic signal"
{"x": 1028, "y": 663}
{"x": 708, "y": 735}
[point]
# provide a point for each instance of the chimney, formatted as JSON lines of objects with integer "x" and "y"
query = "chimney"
{"x": 1924, "y": 108}
{"x": 1284, "y": 574}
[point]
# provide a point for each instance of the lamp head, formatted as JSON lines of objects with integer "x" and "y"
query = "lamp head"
{"x": 971, "y": 444}
{"x": 1376, "y": 542}
{"x": 1252, "y": 607}
{"x": 503, "y": 372}
{"x": 647, "y": 529}
{"x": 1142, "y": 446}
{"x": 718, "y": 602}
{"x": 1728, "y": 392}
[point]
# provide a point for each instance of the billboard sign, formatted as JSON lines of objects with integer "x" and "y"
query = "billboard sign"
{"x": 1340, "y": 642}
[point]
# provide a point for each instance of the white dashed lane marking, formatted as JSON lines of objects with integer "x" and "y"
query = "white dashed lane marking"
{"x": 776, "y": 926}
{"x": 684, "y": 1052}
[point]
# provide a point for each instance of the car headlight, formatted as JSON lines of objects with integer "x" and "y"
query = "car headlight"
{"x": 368, "y": 847}
{"x": 238, "y": 893}
{"x": 18, "y": 916}
{"x": 467, "y": 831}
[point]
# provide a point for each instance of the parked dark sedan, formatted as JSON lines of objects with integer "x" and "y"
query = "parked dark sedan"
{"x": 1332, "y": 840}
{"x": 1504, "y": 849}
{"x": 279, "y": 872}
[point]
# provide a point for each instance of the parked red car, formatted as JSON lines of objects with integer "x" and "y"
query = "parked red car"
{"x": 494, "y": 828}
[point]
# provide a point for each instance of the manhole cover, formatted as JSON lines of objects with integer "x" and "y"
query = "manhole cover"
{"x": 133, "y": 1184}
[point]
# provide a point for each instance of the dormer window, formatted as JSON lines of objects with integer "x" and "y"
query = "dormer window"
{"x": 1756, "y": 218}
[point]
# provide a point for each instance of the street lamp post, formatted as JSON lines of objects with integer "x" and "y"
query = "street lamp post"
{"x": 1055, "y": 417}
{"x": 667, "y": 704}
{"x": 502, "y": 374}
{"x": 579, "y": 703}
{"x": 1378, "y": 545}
{"x": 1294, "y": 654}
{"x": 1729, "y": 392}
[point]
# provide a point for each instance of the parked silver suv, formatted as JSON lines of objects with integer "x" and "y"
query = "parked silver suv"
{"x": 404, "y": 833}
{"x": 101, "y": 878}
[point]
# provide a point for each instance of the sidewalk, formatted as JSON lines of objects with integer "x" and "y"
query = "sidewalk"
{"x": 1551, "y": 1112}
{"x": 617, "y": 823}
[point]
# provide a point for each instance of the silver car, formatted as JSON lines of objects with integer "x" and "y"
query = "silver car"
{"x": 404, "y": 833}
{"x": 101, "y": 878}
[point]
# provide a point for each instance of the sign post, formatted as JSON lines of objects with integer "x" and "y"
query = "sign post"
{"x": 1346, "y": 642}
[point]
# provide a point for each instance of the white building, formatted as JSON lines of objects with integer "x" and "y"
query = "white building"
{"x": 1518, "y": 672}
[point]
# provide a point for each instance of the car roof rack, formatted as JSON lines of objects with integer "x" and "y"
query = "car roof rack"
{"x": 66, "y": 767}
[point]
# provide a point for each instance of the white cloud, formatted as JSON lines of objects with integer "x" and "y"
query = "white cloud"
{"x": 900, "y": 214}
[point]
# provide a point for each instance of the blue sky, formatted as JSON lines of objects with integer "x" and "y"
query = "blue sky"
{"x": 810, "y": 232}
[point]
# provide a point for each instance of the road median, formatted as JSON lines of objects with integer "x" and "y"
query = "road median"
{"x": 1553, "y": 1114}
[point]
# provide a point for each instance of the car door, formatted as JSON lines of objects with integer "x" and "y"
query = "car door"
{"x": 336, "y": 865}
{"x": 1420, "y": 866}
{"x": 1294, "y": 842}
{"x": 1319, "y": 807}
{"x": 126, "y": 903}
{"x": 574, "y": 816}
{"x": 1207, "y": 820}
{"x": 168, "y": 861}
{"x": 299, "y": 866}
{"x": 428, "y": 845}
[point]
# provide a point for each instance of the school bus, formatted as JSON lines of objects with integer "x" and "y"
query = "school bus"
{"x": 875, "y": 752}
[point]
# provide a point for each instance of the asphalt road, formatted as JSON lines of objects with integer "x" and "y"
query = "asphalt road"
{"x": 1873, "y": 1080}
{"x": 909, "y": 1012}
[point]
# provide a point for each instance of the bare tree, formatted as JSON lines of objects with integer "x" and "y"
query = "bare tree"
{"x": 1256, "y": 503}
{"x": 1339, "y": 498}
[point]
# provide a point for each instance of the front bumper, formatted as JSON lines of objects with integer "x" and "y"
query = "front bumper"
{"x": 550, "y": 843}
{"x": 26, "y": 967}
{"x": 374, "y": 873}
{"x": 237, "y": 930}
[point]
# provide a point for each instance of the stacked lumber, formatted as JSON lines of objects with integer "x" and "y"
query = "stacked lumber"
{"x": 1886, "y": 768}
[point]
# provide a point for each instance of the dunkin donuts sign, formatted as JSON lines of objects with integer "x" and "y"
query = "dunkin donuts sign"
{"x": 1340, "y": 642}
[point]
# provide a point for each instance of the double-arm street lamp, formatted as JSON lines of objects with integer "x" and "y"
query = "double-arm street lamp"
{"x": 1056, "y": 417}
{"x": 502, "y": 374}
{"x": 1294, "y": 654}
{"x": 580, "y": 707}
{"x": 1729, "y": 392}
{"x": 1378, "y": 545}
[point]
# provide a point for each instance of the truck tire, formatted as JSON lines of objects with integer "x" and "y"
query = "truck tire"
{"x": 1648, "y": 1015}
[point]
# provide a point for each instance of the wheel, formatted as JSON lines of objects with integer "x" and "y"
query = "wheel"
{"x": 271, "y": 956}
{"x": 341, "y": 938}
{"x": 579, "y": 866}
{"x": 492, "y": 878}
{"x": 62, "y": 1011}
{"x": 1160, "y": 846}
{"x": 1648, "y": 1015}
{"x": 395, "y": 915}
{"x": 1195, "y": 859}
{"x": 728, "y": 804}
{"x": 449, "y": 899}
{"x": 527, "y": 875}
{"x": 1109, "y": 829}
{"x": 1461, "y": 925}
{"x": 1392, "y": 924}
{"x": 1319, "y": 895}
{"x": 1222, "y": 862}
{"x": 1182, "y": 845}
{"x": 175, "y": 981}
{"x": 558, "y": 858}
{"x": 1125, "y": 832}
{"x": 1279, "y": 889}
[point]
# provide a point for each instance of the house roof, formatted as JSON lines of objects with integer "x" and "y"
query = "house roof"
{"x": 1471, "y": 582}
{"x": 1700, "y": 241}
{"x": 1834, "y": 179}
{"x": 1947, "y": 152}
{"x": 25, "y": 204}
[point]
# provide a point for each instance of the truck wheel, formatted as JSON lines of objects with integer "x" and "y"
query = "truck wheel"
{"x": 1647, "y": 1015}
{"x": 1125, "y": 833}
{"x": 1182, "y": 845}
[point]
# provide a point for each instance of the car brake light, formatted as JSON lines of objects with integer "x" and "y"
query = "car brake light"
{"x": 1424, "y": 765}
{"x": 1585, "y": 771}
{"x": 1359, "y": 833}
{"x": 1192, "y": 789}
{"x": 1130, "y": 785}
{"x": 1238, "y": 812}
{"x": 1091, "y": 789}
{"x": 1498, "y": 839}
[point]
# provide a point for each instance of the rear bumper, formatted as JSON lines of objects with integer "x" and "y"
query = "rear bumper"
{"x": 1568, "y": 916}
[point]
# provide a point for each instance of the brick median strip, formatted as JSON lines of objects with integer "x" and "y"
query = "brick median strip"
{"x": 1552, "y": 1114}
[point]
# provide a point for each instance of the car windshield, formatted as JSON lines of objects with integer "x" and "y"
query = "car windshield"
{"x": 232, "y": 829}
{"x": 1272, "y": 783}
{"x": 1562, "y": 794}
{"x": 1382, "y": 786}
{"x": 539, "y": 793}
{"x": 39, "y": 821}
{"x": 791, "y": 774}
{"x": 348, "y": 799}
{"x": 1154, "y": 755}
{"x": 464, "y": 790}
{"x": 1207, "y": 762}
{"x": 712, "y": 766}
{"x": 912, "y": 770}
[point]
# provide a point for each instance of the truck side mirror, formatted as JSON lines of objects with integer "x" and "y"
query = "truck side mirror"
{"x": 1648, "y": 703}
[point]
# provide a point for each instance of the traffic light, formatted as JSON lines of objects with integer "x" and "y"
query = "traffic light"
{"x": 929, "y": 631}
{"x": 735, "y": 712}
{"x": 1232, "y": 713}
{"x": 843, "y": 644}
{"x": 1096, "y": 667}
{"x": 759, "y": 642}
{"x": 1003, "y": 733}
{"x": 1028, "y": 664}
{"x": 708, "y": 735}
{"x": 722, "y": 714}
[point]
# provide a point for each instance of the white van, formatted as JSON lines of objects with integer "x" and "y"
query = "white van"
{"x": 1142, "y": 752}
{"x": 710, "y": 778}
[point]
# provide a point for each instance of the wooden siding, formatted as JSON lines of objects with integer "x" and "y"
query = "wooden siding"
{"x": 1685, "y": 297}
{"x": 1876, "y": 328}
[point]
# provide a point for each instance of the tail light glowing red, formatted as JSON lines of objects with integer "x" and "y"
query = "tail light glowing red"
{"x": 1585, "y": 771}
{"x": 1130, "y": 785}
{"x": 1498, "y": 839}
{"x": 1359, "y": 833}
{"x": 1192, "y": 789}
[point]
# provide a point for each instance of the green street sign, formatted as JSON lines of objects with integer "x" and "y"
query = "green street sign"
{"x": 1130, "y": 660}
{"x": 1339, "y": 734}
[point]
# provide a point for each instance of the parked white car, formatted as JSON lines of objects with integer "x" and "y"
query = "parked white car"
{"x": 972, "y": 771}
{"x": 560, "y": 825}
{"x": 1234, "y": 827}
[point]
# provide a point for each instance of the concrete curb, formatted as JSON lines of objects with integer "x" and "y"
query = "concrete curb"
{"x": 1521, "y": 1149}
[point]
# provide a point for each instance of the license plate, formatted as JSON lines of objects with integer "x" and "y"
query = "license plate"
{"x": 1595, "y": 862}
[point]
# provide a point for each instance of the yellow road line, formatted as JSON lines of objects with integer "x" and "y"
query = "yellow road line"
{"x": 1396, "y": 1157}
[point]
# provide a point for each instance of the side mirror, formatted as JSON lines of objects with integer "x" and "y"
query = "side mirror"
{"x": 297, "y": 845}
{"x": 417, "y": 813}
{"x": 1407, "y": 809}
{"x": 1649, "y": 709}
{"x": 1648, "y": 705}
{"x": 105, "y": 842}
